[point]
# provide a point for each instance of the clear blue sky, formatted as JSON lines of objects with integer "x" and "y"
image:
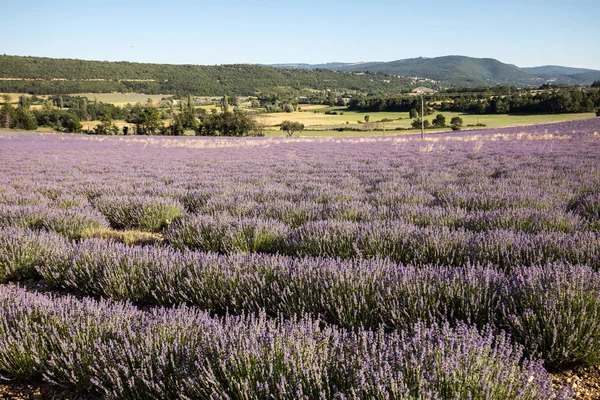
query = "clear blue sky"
{"x": 525, "y": 33}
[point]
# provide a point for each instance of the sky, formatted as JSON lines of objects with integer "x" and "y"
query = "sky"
{"x": 524, "y": 33}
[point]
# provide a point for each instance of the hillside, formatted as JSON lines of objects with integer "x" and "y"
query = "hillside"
{"x": 453, "y": 70}
{"x": 456, "y": 71}
{"x": 567, "y": 75}
{"x": 461, "y": 71}
{"x": 39, "y": 75}
{"x": 556, "y": 70}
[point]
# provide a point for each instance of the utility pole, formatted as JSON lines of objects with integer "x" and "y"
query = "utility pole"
{"x": 422, "y": 118}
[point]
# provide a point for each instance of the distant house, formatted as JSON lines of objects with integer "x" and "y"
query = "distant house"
{"x": 422, "y": 90}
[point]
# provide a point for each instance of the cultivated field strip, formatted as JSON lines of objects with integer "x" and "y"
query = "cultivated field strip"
{"x": 122, "y": 352}
{"x": 370, "y": 294}
{"x": 298, "y": 268}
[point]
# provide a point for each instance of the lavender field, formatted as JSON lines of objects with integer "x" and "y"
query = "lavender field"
{"x": 462, "y": 266}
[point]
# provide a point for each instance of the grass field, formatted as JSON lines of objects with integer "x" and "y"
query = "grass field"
{"x": 118, "y": 99}
{"x": 320, "y": 124}
{"x": 317, "y": 123}
{"x": 121, "y": 99}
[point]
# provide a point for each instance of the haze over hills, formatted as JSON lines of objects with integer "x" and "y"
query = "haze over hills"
{"x": 466, "y": 71}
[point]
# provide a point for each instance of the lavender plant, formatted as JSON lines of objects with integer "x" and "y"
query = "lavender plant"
{"x": 145, "y": 213}
{"x": 554, "y": 311}
{"x": 119, "y": 352}
{"x": 225, "y": 234}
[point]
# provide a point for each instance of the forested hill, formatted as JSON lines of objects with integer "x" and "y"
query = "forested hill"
{"x": 38, "y": 75}
{"x": 461, "y": 71}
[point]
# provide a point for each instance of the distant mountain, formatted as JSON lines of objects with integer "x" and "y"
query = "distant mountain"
{"x": 333, "y": 65}
{"x": 569, "y": 75}
{"x": 556, "y": 70}
{"x": 461, "y": 71}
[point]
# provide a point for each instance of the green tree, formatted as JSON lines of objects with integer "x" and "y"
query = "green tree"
{"x": 367, "y": 118}
{"x": 69, "y": 122}
{"x": 25, "y": 102}
{"x": 416, "y": 124}
{"x": 235, "y": 123}
{"x": 414, "y": 113}
{"x": 145, "y": 118}
{"x": 233, "y": 100}
{"x": 106, "y": 127}
{"x": 24, "y": 119}
{"x": 290, "y": 127}
{"x": 456, "y": 123}
{"x": 8, "y": 116}
{"x": 224, "y": 104}
{"x": 439, "y": 121}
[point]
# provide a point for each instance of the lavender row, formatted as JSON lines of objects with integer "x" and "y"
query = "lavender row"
{"x": 117, "y": 352}
{"x": 154, "y": 214}
{"x": 400, "y": 242}
{"x": 297, "y": 213}
{"x": 553, "y": 311}
{"x": 73, "y": 223}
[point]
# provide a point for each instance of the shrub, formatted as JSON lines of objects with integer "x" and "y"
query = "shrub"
{"x": 139, "y": 212}
{"x": 74, "y": 223}
{"x": 22, "y": 252}
{"x": 226, "y": 234}
{"x": 554, "y": 311}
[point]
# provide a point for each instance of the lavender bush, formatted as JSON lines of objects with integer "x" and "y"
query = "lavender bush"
{"x": 145, "y": 213}
{"x": 119, "y": 352}
{"x": 73, "y": 223}
{"x": 23, "y": 251}
{"x": 555, "y": 313}
{"x": 226, "y": 234}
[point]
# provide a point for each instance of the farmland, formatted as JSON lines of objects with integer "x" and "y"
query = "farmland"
{"x": 465, "y": 265}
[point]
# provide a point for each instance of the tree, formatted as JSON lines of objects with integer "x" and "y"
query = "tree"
{"x": 7, "y": 116}
{"x": 367, "y": 118}
{"x": 106, "y": 127}
{"x": 416, "y": 124}
{"x": 233, "y": 100}
{"x": 70, "y": 123}
{"x": 596, "y": 84}
{"x": 228, "y": 123}
{"x": 224, "y": 104}
{"x": 258, "y": 127}
{"x": 25, "y": 102}
{"x": 290, "y": 127}
{"x": 414, "y": 113}
{"x": 456, "y": 123}
{"x": 439, "y": 121}
{"x": 24, "y": 119}
{"x": 146, "y": 119}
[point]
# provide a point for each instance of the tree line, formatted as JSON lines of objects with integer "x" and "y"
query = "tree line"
{"x": 568, "y": 100}
{"x": 65, "y": 114}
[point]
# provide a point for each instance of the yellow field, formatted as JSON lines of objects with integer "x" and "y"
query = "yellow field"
{"x": 118, "y": 99}
{"x": 351, "y": 119}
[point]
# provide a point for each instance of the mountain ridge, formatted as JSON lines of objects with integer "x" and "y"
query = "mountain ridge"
{"x": 456, "y": 70}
